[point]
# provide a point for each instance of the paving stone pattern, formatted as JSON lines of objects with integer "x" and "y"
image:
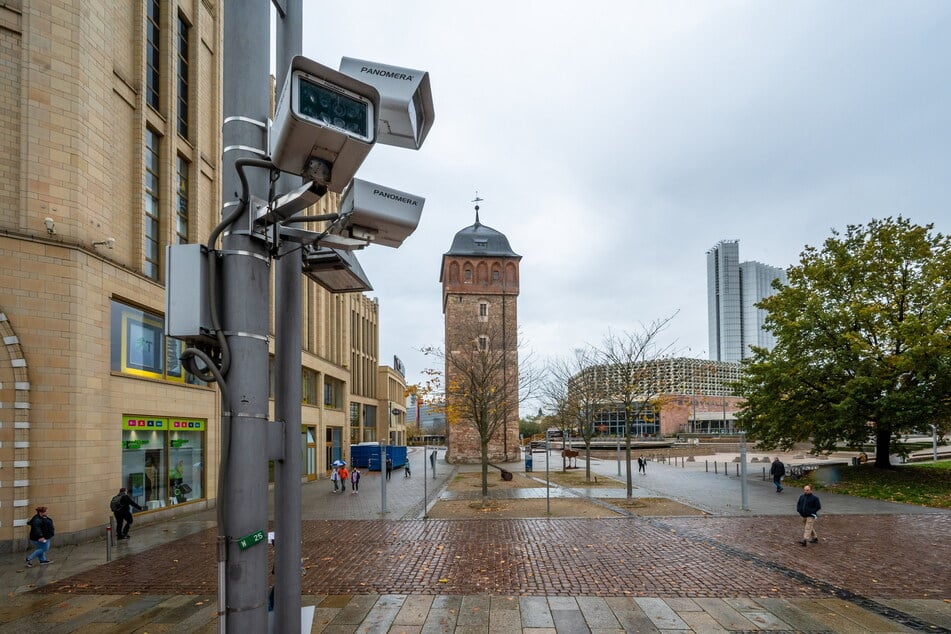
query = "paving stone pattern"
{"x": 673, "y": 557}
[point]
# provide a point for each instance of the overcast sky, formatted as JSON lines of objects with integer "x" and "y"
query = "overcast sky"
{"x": 615, "y": 142}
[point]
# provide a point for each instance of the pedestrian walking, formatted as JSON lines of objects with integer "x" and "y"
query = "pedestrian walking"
{"x": 121, "y": 506}
{"x": 642, "y": 465}
{"x": 335, "y": 478}
{"x": 406, "y": 470}
{"x": 432, "y": 460}
{"x": 41, "y": 536}
{"x": 778, "y": 471}
{"x": 355, "y": 481}
{"x": 344, "y": 478}
{"x": 808, "y": 508}
{"x": 389, "y": 467}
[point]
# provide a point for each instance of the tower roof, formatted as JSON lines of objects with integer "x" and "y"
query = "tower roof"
{"x": 482, "y": 241}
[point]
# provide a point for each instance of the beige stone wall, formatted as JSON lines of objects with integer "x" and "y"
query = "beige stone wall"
{"x": 72, "y": 125}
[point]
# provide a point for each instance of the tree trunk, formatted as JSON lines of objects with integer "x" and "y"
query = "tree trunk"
{"x": 883, "y": 439}
{"x": 485, "y": 474}
{"x": 587, "y": 460}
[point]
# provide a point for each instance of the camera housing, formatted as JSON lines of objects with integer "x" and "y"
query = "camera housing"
{"x": 406, "y": 100}
{"x": 325, "y": 124}
{"x": 337, "y": 271}
{"x": 378, "y": 214}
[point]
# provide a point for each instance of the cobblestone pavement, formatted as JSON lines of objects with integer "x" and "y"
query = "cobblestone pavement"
{"x": 393, "y": 572}
{"x": 669, "y": 557}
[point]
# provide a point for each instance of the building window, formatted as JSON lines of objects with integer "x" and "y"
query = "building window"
{"x": 369, "y": 423}
{"x": 481, "y": 243}
{"x": 354, "y": 423}
{"x": 183, "y": 29}
{"x": 483, "y": 343}
{"x": 468, "y": 275}
{"x": 152, "y": 54}
{"x": 181, "y": 207}
{"x": 308, "y": 386}
{"x": 483, "y": 311}
{"x": 333, "y": 393}
{"x": 139, "y": 346}
{"x": 150, "y": 234}
{"x": 495, "y": 276}
{"x": 163, "y": 460}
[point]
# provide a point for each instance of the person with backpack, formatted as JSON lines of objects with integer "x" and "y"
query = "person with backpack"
{"x": 355, "y": 481}
{"x": 121, "y": 506}
{"x": 41, "y": 536}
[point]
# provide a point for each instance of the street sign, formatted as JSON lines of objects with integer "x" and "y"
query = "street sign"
{"x": 248, "y": 541}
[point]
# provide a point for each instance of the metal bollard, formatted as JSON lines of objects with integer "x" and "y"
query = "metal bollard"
{"x": 706, "y": 466}
{"x": 716, "y": 467}
{"x": 109, "y": 540}
{"x": 737, "y": 469}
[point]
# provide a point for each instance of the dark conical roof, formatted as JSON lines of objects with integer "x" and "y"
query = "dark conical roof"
{"x": 480, "y": 240}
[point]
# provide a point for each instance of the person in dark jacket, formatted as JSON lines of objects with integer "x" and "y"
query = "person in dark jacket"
{"x": 808, "y": 508}
{"x": 122, "y": 509}
{"x": 778, "y": 470}
{"x": 41, "y": 536}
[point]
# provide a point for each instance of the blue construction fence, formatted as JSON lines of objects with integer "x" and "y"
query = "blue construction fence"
{"x": 367, "y": 456}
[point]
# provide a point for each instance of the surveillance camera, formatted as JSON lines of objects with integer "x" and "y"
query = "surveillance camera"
{"x": 406, "y": 100}
{"x": 50, "y": 225}
{"x": 378, "y": 214}
{"x": 324, "y": 124}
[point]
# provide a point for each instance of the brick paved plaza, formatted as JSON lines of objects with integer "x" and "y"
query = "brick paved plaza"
{"x": 879, "y": 571}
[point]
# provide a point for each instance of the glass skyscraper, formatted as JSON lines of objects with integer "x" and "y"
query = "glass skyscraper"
{"x": 733, "y": 290}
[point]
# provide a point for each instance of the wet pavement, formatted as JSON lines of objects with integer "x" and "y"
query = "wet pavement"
{"x": 877, "y": 567}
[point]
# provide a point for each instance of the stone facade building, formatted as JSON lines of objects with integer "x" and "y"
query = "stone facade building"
{"x": 480, "y": 281}
{"x": 110, "y": 146}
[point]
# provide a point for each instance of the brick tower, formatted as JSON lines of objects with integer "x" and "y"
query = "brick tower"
{"x": 480, "y": 306}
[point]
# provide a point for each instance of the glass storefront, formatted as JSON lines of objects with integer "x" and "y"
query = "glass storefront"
{"x": 163, "y": 460}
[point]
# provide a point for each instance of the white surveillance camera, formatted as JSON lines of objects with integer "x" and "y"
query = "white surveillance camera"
{"x": 378, "y": 214}
{"x": 108, "y": 243}
{"x": 406, "y": 100}
{"x": 325, "y": 124}
{"x": 50, "y": 225}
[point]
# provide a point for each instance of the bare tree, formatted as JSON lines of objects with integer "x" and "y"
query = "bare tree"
{"x": 628, "y": 379}
{"x": 576, "y": 381}
{"x": 485, "y": 383}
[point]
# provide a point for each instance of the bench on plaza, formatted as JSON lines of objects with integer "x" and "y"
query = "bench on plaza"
{"x": 798, "y": 471}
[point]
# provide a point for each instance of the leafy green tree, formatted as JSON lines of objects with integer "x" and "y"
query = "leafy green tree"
{"x": 863, "y": 350}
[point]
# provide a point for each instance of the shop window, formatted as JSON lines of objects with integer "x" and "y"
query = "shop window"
{"x": 163, "y": 460}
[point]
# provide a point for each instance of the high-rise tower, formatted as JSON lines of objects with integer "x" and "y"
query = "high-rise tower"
{"x": 733, "y": 290}
{"x": 480, "y": 281}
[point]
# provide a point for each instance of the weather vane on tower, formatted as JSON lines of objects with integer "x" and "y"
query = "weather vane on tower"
{"x": 477, "y": 200}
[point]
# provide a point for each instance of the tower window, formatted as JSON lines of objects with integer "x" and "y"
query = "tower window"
{"x": 483, "y": 343}
{"x": 483, "y": 311}
{"x": 468, "y": 275}
{"x": 481, "y": 243}
{"x": 495, "y": 276}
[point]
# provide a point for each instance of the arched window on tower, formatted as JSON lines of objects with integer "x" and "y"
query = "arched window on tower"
{"x": 468, "y": 275}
